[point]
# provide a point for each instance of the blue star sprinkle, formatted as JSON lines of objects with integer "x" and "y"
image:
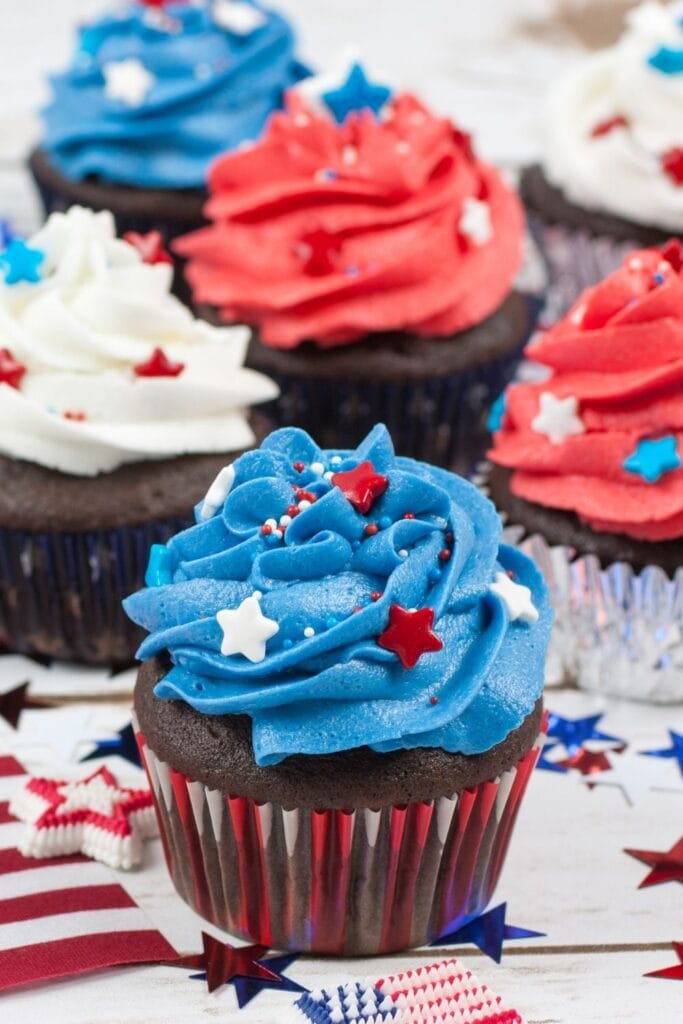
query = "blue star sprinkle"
{"x": 667, "y": 60}
{"x": 675, "y": 750}
{"x": 159, "y": 566}
{"x": 488, "y": 932}
{"x": 6, "y": 233}
{"x": 574, "y": 732}
{"x": 21, "y": 263}
{"x": 496, "y": 414}
{"x": 123, "y": 745}
{"x": 356, "y": 93}
{"x": 652, "y": 459}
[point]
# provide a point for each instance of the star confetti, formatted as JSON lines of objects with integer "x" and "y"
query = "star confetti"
{"x": 587, "y": 762}
{"x": 222, "y": 963}
{"x": 94, "y": 816}
{"x": 246, "y": 629}
{"x": 409, "y": 634}
{"x": 666, "y": 866}
{"x": 675, "y": 750}
{"x": 574, "y": 732}
{"x": 637, "y": 777}
{"x": 149, "y": 245}
{"x": 248, "y": 988}
{"x": 356, "y": 93}
{"x": 652, "y": 459}
{"x": 361, "y": 485}
{"x": 544, "y": 764}
{"x": 488, "y": 932}
{"x": 158, "y": 365}
{"x": 557, "y": 418}
{"x": 122, "y": 745}
{"x": 14, "y": 701}
{"x": 21, "y": 263}
{"x": 674, "y": 973}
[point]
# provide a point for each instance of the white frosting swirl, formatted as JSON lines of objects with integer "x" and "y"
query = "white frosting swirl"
{"x": 620, "y": 172}
{"x": 97, "y": 312}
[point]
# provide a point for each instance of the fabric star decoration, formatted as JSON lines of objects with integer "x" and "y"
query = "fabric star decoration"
{"x": 239, "y": 18}
{"x": 356, "y": 93}
{"x": 410, "y": 634}
{"x": 21, "y": 263}
{"x": 674, "y": 973}
{"x": 488, "y": 932}
{"x": 666, "y": 866}
{"x": 557, "y": 418}
{"x": 127, "y": 80}
{"x": 652, "y": 459}
{"x": 158, "y": 365}
{"x": 247, "y": 988}
{"x": 221, "y": 962}
{"x": 246, "y": 629}
{"x": 94, "y": 816}
{"x": 516, "y": 598}
{"x": 14, "y": 701}
{"x": 574, "y": 732}
{"x": 122, "y": 745}
{"x": 675, "y": 750}
{"x": 150, "y": 246}
{"x": 637, "y": 777}
{"x": 361, "y": 485}
{"x": 475, "y": 221}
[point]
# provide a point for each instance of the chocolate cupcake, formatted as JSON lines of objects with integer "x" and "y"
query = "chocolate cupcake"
{"x": 115, "y": 406}
{"x": 374, "y": 255}
{"x": 153, "y": 94}
{"x": 612, "y": 174}
{"x": 339, "y": 704}
{"x": 589, "y": 474}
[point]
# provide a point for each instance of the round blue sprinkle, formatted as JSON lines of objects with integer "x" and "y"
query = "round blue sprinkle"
{"x": 351, "y": 271}
{"x": 433, "y": 575}
{"x": 287, "y": 644}
{"x": 384, "y": 522}
{"x": 355, "y": 544}
{"x": 658, "y": 278}
{"x": 330, "y": 622}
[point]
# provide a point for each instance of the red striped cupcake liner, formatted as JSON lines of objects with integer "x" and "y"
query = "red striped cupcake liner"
{"x": 346, "y": 883}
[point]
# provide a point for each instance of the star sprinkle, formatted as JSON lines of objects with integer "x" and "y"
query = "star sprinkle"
{"x": 674, "y": 973}
{"x": 672, "y": 164}
{"x": 557, "y": 418}
{"x": 574, "y": 732}
{"x": 652, "y": 459}
{"x": 361, "y": 486}
{"x": 475, "y": 221}
{"x": 95, "y": 817}
{"x": 239, "y": 18}
{"x": 667, "y": 59}
{"x": 318, "y": 252}
{"x": 672, "y": 252}
{"x": 246, "y": 629}
{"x": 516, "y": 598}
{"x": 14, "y": 701}
{"x": 409, "y": 634}
{"x": 247, "y": 988}
{"x": 21, "y": 263}
{"x": 222, "y": 962}
{"x": 11, "y": 371}
{"x": 603, "y": 128}
{"x": 666, "y": 866}
{"x": 356, "y": 93}
{"x": 122, "y": 745}
{"x": 218, "y": 492}
{"x": 488, "y": 932}
{"x": 158, "y": 365}
{"x": 496, "y": 414}
{"x": 149, "y": 245}
{"x": 637, "y": 777}
{"x": 127, "y": 81}
{"x": 675, "y": 750}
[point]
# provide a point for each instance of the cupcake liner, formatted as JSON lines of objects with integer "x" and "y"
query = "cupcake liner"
{"x": 352, "y": 883}
{"x": 61, "y": 593}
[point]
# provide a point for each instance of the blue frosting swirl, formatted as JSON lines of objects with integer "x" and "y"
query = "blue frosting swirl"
{"x": 325, "y": 684}
{"x": 212, "y": 89}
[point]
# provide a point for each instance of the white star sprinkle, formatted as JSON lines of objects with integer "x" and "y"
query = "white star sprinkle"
{"x": 475, "y": 221}
{"x": 217, "y": 492}
{"x": 516, "y": 598}
{"x": 557, "y": 418}
{"x": 127, "y": 80}
{"x": 238, "y": 18}
{"x": 246, "y": 629}
{"x": 637, "y": 776}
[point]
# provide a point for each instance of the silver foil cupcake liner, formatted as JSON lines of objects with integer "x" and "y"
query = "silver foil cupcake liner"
{"x": 354, "y": 883}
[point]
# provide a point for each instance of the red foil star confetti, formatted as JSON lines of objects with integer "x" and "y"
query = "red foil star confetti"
{"x": 223, "y": 963}
{"x": 158, "y": 365}
{"x": 150, "y": 245}
{"x": 409, "y": 634}
{"x": 675, "y": 973}
{"x": 588, "y": 762}
{"x": 11, "y": 371}
{"x": 361, "y": 485}
{"x": 666, "y": 866}
{"x": 14, "y": 701}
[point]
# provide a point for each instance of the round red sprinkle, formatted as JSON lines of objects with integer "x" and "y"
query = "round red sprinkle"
{"x": 299, "y": 467}
{"x": 375, "y": 595}
{"x": 302, "y": 495}
{"x": 449, "y": 537}
{"x": 511, "y": 574}
{"x": 358, "y": 608}
{"x": 444, "y": 554}
{"x": 70, "y": 414}
{"x": 266, "y": 530}
{"x": 433, "y": 700}
{"x": 408, "y": 515}
{"x": 293, "y": 510}
{"x": 371, "y": 529}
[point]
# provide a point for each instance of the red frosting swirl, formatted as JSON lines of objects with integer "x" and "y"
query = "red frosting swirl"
{"x": 329, "y": 232}
{"x": 619, "y": 354}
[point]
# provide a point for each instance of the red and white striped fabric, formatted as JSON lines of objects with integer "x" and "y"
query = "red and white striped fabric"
{"x": 62, "y": 915}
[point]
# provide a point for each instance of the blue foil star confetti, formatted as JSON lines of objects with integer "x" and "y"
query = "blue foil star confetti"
{"x": 123, "y": 745}
{"x": 675, "y": 750}
{"x": 550, "y": 766}
{"x": 496, "y": 414}
{"x": 356, "y": 93}
{"x": 652, "y": 459}
{"x": 488, "y": 932}
{"x": 247, "y": 987}
{"x": 574, "y": 732}
{"x": 21, "y": 263}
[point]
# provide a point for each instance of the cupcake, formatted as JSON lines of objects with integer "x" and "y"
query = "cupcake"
{"x": 339, "y": 703}
{"x": 588, "y": 469}
{"x": 115, "y": 405}
{"x": 374, "y": 255}
{"x": 154, "y": 92}
{"x": 612, "y": 174}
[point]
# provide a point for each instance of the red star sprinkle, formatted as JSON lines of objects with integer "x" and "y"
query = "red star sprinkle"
{"x": 672, "y": 164}
{"x": 223, "y": 962}
{"x": 675, "y": 973}
{"x": 666, "y": 866}
{"x": 361, "y": 486}
{"x": 409, "y": 634}
{"x": 318, "y": 250}
{"x": 150, "y": 245}
{"x": 11, "y": 371}
{"x": 672, "y": 252}
{"x": 159, "y": 365}
{"x": 603, "y": 128}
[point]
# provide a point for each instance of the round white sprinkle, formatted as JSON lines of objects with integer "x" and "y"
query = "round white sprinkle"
{"x": 328, "y": 475}
{"x": 335, "y": 460}
{"x": 285, "y": 520}
{"x": 309, "y": 631}
{"x": 257, "y": 594}
{"x": 278, "y": 534}
{"x": 304, "y": 504}
{"x": 402, "y": 147}
{"x": 317, "y": 467}
{"x": 301, "y": 120}
{"x": 349, "y": 154}
{"x": 403, "y": 553}
{"x": 271, "y": 522}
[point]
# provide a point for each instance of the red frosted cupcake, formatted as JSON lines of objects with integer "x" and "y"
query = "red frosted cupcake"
{"x": 374, "y": 255}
